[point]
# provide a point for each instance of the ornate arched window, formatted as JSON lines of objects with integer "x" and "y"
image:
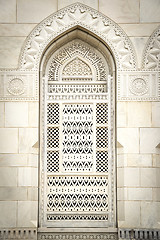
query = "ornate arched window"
{"x": 77, "y": 156}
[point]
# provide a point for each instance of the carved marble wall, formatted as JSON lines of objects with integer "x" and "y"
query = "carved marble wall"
{"x": 133, "y": 39}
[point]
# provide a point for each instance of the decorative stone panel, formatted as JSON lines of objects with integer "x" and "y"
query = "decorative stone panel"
{"x": 18, "y": 85}
{"x": 139, "y": 86}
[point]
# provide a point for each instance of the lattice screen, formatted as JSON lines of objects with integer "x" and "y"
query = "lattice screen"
{"x": 77, "y": 158}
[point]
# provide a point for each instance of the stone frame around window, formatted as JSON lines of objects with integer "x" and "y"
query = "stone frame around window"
{"x": 72, "y": 98}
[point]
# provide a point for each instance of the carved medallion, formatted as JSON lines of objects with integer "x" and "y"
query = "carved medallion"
{"x": 16, "y": 86}
{"x": 139, "y": 86}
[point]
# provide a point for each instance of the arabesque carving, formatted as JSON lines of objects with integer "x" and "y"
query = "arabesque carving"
{"x": 72, "y": 16}
{"x": 77, "y": 67}
{"x": 151, "y": 56}
{"x": 81, "y": 16}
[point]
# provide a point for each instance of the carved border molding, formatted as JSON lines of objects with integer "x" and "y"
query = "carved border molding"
{"x": 151, "y": 55}
{"x": 22, "y": 233}
{"x": 139, "y": 234}
{"x": 78, "y": 236}
{"x": 26, "y": 233}
{"x": 68, "y": 18}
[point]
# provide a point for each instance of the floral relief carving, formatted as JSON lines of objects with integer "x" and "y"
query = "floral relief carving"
{"x": 77, "y": 67}
{"x": 16, "y": 86}
{"x": 139, "y": 86}
{"x": 78, "y": 15}
{"x": 151, "y": 56}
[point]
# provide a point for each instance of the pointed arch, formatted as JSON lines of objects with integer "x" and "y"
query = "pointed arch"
{"x": 74, "y": 16}
{"x": 91, "y": 100}
{"x": 56, "y": 60}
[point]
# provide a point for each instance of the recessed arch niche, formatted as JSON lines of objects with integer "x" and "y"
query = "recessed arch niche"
{"x": 77, "y": 129}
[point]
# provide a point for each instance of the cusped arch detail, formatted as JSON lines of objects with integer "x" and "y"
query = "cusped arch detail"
{"x": 82, "y": 16}
{"x": 76, "y": 66}
{"x": 151, "y": 55}
{"x": 74, "y": 49}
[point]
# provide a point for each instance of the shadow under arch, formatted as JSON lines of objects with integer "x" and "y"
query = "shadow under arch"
{"x": 78, "y": 32}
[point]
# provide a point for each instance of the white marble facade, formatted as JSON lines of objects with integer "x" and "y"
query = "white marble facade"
{"x": 131, "y": 31}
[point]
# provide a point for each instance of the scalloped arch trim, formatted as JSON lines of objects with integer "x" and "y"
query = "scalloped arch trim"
{"x": 73, "y": 16}
{"x": 151, "y": 55}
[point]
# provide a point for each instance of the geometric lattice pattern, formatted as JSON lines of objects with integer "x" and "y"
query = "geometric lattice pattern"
{"x": 72, "y": 217}
{"x": 76, "y": 88}
{"x": 75, "y": 143}
{"x": 52, "y": 137}
{"x": 77, "y": 137}
{"x": 101, "y": 137}
{"x": 77, "y": 181}
{"x": 101, "y": 113}
{"x": 52, "y": 161}
{"x": 76, "y": 163}
{"x": 52, "y": 113}
{"x": 77, "y": 193}
{"x": 70, "y": 166}
{"x": 102, "y": 161}
{"x": 77, "y": 202}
